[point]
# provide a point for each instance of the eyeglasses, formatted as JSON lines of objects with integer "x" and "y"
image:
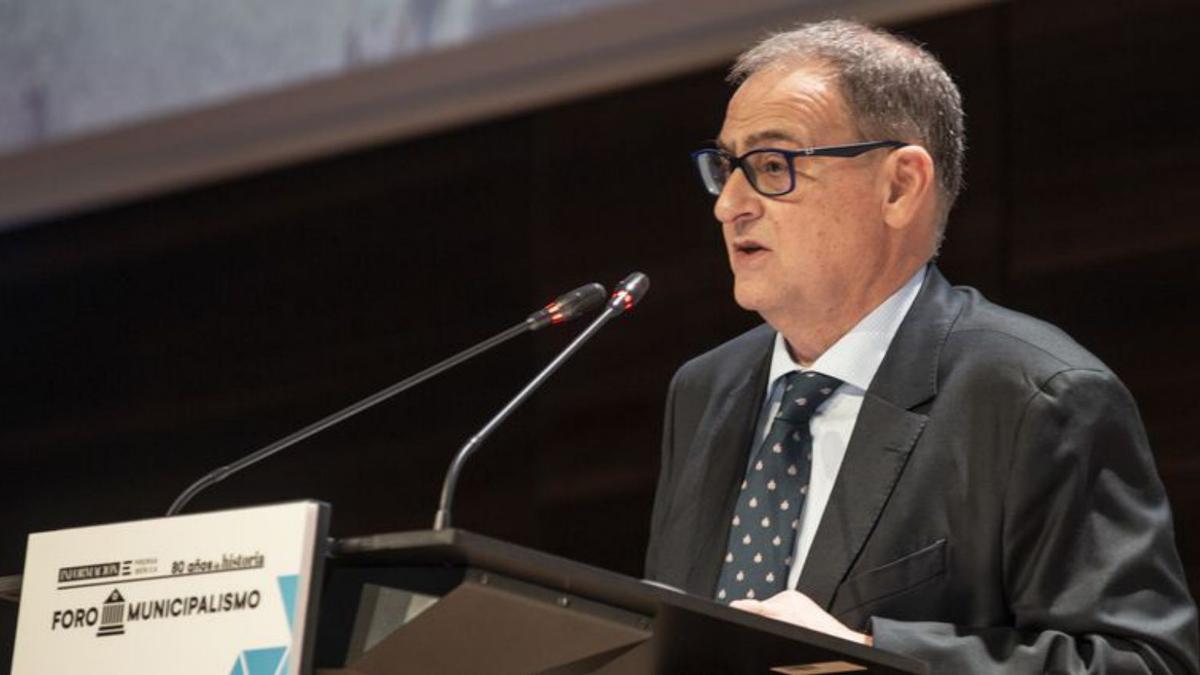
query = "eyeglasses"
{"x": 770, "y": 171}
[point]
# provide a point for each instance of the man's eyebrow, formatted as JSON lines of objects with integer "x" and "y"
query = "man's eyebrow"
{"x": 772, "y": 135}
{"x": 758, "y": 137}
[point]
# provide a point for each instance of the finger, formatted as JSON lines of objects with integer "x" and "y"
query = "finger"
{"x": 789, "y": 597}
{"x": 753, "y": 606}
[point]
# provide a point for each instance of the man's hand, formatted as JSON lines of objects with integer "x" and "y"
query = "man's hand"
{"x": 796, "y": 608}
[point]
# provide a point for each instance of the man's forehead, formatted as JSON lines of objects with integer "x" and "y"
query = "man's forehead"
{"x": 796, "y": 104}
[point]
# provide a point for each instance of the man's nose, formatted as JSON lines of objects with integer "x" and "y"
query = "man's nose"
{"x": 738, "y": 201}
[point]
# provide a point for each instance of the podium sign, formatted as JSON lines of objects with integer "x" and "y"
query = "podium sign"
{"x": 211, "y": 593}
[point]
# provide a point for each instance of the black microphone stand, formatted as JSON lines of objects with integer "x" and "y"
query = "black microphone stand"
{"x": 624, "y": 298}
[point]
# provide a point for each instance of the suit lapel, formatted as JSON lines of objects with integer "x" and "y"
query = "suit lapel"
{"x": 885, "y": 433}
{"x": 726, "y": 440}
{"x": 875, "y": 457}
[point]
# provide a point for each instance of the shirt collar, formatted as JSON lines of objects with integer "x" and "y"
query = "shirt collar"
{"x": 856, "y": 356}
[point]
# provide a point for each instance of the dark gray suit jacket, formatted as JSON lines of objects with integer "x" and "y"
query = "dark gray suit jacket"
{"x": 997, "y": 510}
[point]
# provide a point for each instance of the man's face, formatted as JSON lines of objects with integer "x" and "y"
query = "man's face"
{"x": 810, "y": 254}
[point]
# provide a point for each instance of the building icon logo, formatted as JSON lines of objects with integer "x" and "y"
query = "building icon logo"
{"x": 112, "y": 615}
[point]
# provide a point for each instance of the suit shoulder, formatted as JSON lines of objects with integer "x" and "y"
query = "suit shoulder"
{"x": 729, "y": 359}
{"x": 1011, "y": 340}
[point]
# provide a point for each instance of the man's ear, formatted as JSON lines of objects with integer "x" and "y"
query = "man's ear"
{"x": 910, "y": 190}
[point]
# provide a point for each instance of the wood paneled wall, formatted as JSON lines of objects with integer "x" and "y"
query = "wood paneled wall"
{"x": 144, "y": 345}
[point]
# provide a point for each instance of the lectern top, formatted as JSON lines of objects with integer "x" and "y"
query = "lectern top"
{"x": 694, "y": 618}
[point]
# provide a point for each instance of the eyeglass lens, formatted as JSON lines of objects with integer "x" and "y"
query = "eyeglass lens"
{"x": 714, "y": 171}
{"x": 768, "y": 171}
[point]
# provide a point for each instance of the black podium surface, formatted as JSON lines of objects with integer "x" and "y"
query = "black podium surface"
{"x": 456, "y": 602}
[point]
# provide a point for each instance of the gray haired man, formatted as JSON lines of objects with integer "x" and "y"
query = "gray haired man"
{"x": 891, "y": 459}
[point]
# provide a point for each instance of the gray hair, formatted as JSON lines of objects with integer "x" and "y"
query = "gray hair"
{"x": 894, "y": 90}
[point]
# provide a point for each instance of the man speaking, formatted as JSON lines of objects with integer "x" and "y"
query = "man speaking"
{"x": 891, "y": 459}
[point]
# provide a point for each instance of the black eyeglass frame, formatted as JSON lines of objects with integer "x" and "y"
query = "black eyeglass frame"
{"x": 849, "y": 150}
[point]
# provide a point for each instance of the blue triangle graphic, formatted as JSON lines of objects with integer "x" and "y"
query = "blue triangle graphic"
{"x": 264, "y": 661}
{"x": 287, "y": 589}
{"x": 237, "y": 666}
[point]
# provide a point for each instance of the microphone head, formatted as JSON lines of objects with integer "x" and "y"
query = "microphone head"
{"x": 568, "y": 306}
{"x": 629, "y": 292}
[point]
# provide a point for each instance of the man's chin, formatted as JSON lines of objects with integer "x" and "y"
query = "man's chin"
{"x": 750, "y": 298}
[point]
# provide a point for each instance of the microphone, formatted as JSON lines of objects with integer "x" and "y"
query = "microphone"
{"x": 564, "y": 308}
{"x": 627, "y": 294}
{"x": 567, "y": 306}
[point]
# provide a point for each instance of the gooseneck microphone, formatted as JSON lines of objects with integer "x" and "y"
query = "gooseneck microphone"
{"x": 564, "y": 308}
{"x": 624, "y": 297}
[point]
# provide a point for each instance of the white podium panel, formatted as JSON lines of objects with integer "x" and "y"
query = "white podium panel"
{"x": 223, "y": 593}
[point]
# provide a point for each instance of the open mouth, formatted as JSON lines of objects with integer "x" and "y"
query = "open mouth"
{"x": 748, "y": 248}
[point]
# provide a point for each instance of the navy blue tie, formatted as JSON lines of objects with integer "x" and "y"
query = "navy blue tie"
{"x": 767, "y": 516}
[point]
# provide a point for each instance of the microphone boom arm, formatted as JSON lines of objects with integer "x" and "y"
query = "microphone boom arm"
{"x": 342, "y": 415}
{"x": 564, "y": 308}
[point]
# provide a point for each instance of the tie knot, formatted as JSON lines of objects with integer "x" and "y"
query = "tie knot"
{"x": 803, "y": 393}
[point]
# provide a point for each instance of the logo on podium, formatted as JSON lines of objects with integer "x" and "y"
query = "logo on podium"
{"x": 112, "y": 615}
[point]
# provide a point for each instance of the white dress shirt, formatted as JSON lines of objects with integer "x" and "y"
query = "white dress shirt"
{"x": 853, "y": 359}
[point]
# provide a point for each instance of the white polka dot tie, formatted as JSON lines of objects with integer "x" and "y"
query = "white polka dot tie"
{"x": 763, "y": 526}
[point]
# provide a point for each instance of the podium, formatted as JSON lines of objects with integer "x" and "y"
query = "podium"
{"x": 456, "y": 602}
{"x": 451, "y": 601}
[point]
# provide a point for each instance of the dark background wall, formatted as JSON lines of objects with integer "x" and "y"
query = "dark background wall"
{"x": 143, "y": 345}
